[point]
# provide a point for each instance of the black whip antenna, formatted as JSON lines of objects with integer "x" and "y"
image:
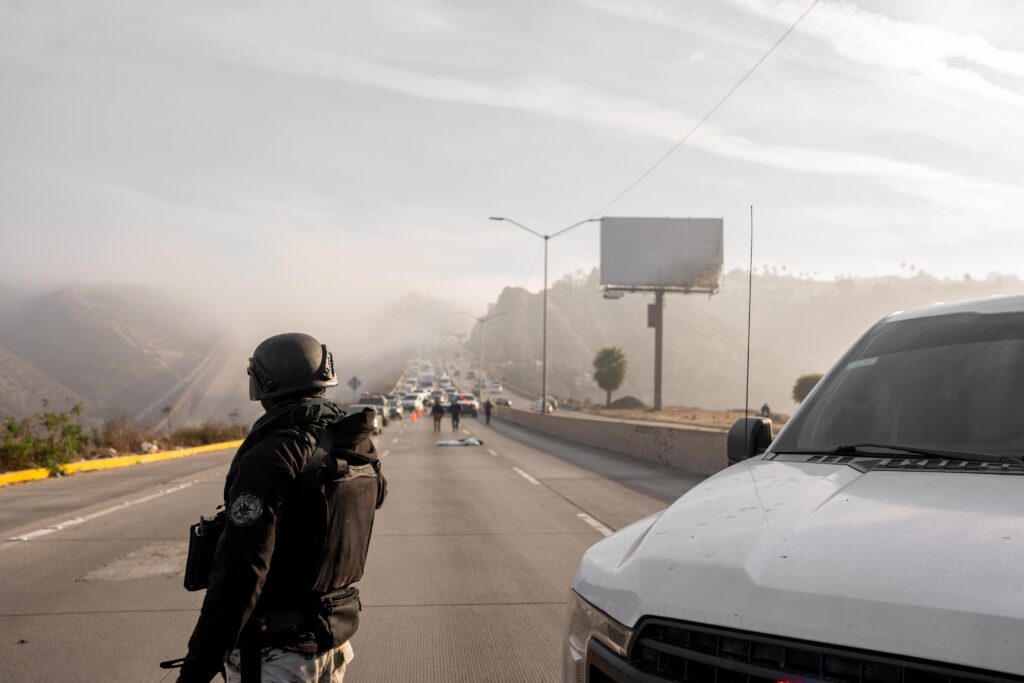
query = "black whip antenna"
{"x": 750, "y": 301}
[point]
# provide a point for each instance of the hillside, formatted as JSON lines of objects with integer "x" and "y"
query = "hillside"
{"x": 115, "y": 349}
{"x": 136, "y": 351}
{"x": 799, "y": 326}
{"x": 23, "y": 388}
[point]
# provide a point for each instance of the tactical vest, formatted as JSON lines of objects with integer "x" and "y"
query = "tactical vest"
{"x": 321, "y": 544}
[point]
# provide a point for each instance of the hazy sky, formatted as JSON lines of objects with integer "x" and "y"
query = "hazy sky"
{"x": 241, "y": 145}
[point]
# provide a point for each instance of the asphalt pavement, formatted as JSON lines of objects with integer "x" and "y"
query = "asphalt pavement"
{"x": 466, "y": 580}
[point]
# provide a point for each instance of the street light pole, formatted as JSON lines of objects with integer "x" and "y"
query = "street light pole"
{"x": 544, "y": 339}
{"x": 482, "y": 320}
{"x": 544, "y": 333}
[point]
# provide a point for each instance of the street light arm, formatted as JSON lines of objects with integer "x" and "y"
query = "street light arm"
{"x": 519, "y": 225}
{"x": 574, "y": 225}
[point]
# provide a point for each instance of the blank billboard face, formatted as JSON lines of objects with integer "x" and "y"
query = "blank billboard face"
{"x": 673, "y": 253}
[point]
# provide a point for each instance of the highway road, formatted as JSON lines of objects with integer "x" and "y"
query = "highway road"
{"x": 466, "y": 581}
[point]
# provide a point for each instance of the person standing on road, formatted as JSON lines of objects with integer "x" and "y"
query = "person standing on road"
{"x": 456, "y": 411}
{"x": 437, "y": 412}
{"x": 488, "y": 407}
{"x": 299, "y": 503}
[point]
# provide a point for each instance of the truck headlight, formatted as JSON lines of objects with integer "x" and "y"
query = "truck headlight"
{"x": 586, "y": 622}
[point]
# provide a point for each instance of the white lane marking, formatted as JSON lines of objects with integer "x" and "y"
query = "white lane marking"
{"x": 94, "y": 515}
{"x": 491, "y": 451}
{"x": 600, "y": 528}
{"x": 384, "y": 454}
{"x": 525, "y": 476}
{"x": 465, "y": 431}
{"x": 394, "y": 440}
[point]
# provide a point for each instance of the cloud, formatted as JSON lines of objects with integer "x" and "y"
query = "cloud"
{"x": 875, "y": 40}
{"x": 548, "y": 96}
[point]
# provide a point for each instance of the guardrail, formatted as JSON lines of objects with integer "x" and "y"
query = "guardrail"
{"x": 19, "y": 476}
{"x": 693, "y": 449}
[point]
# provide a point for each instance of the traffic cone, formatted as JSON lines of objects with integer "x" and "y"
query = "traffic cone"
{"x": 414, "y": 413}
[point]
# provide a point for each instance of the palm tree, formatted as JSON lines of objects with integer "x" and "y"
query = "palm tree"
{"x": 609, "y": 370}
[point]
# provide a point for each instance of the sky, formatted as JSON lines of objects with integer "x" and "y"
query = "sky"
{"x": 254, "y": 149}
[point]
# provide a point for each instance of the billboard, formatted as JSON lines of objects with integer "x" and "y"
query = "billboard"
{"x": 661, "y": 253}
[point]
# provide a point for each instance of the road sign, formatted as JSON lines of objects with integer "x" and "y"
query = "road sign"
{"x": 354, "y": 383}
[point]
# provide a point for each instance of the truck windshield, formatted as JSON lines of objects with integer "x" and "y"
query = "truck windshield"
{"x": 952, "y": 382}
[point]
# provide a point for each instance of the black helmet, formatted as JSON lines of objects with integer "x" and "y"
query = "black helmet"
{"x": 291, "y": 364}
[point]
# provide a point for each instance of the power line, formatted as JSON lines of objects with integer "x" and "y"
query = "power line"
{"x": 712, "y": 110}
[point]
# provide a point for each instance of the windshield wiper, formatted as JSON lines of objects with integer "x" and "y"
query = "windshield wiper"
{"x": 857, "y": 450}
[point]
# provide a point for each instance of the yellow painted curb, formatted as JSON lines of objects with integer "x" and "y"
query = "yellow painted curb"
{"x": 18, "y": 476}
{"x": 126, "y": 460}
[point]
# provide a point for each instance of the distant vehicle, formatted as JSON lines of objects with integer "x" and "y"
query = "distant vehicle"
{"x": 496, "y": 386}
{"x": 395, "y": 406}
{"x": 503, "y": 401}
{"x": 456, "y": 374}
{"x": 425, "y": 379}
{"x": 470, "y": 406}
{"x": 382, "y": 403}
{"x": 538, "y": 406}
{"x": 412, "y": 402}
{"x": 378, "y": 422}
{"x": 470, "y": 375}
{"x": 911, "y": 440}
{"x": 438, "y": 396}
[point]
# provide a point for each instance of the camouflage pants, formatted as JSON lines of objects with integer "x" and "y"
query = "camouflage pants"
{"x": 283, "y": 666}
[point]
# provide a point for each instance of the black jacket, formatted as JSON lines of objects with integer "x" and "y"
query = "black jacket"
{"x": 269, "y": 554}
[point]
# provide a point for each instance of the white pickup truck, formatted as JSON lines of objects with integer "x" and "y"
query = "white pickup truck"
{"x": 878, "y": 539}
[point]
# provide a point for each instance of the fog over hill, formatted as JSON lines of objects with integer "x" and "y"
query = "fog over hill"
{"x": 124, "y": 350}
{"x": 799, "y": 326}
{"x": 132, "y": 350}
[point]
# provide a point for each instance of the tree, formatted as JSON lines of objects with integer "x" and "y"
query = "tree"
{"x": 804, "y": 385}
{"x": 610, "y": 367}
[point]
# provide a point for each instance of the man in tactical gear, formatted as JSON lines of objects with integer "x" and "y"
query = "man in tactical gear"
{"x": 299, "y": 499}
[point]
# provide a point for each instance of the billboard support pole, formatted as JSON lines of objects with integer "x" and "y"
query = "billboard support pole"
{"x": 659, "y": 336}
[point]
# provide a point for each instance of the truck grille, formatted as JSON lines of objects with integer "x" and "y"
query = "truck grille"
{"x": 674, "y": 651}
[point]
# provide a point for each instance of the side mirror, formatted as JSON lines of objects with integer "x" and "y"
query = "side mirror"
{"x": 748, "y": 436}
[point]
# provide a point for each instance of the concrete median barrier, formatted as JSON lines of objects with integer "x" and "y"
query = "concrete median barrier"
{"x": 19, "y": 476}
{"x": 692, "y": 449}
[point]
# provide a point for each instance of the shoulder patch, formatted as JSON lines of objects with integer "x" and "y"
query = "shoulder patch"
{"x": 245, "y": 509}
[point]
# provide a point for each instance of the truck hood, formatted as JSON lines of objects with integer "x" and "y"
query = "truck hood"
{"x": 927, "y": 565}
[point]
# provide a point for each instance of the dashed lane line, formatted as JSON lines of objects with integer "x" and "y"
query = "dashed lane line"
{"x": 75, "y": 521}
{"x": 394, "y": 440}
{"x": 384, "y": 454}
{"x": 596, "y": 525}
{"x": 604, "y": 529}
{"x": 526, "y": 476}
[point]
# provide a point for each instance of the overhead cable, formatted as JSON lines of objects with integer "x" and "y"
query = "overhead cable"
{"x": 693, "y": 129}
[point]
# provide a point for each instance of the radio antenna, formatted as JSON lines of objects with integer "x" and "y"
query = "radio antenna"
{"x": 750, "y": 300}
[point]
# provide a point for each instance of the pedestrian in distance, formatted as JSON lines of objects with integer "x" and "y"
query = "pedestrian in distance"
{"x": 456, "y": 412}
{"x": 488, "y": 407}
{"x": 437, "y": 412}
{"x": 299, "y": 503}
